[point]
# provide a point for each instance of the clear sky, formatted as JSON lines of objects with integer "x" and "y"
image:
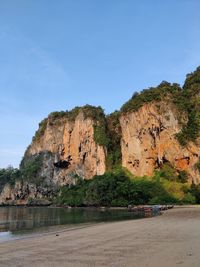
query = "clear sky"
{"x": 57, "y": 54}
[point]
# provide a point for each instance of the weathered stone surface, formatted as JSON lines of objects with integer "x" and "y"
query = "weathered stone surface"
{"x": 148, "y": 140}
{"x": 72, "y": 148}
{"x": 23, "y": 193}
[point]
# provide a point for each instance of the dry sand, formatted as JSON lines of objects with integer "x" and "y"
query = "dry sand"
{"x": 172, "y": 239}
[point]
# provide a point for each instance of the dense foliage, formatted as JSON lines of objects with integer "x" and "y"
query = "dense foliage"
{"x": 30, "y": 169}
{"x": 95, "y": 113}
{"x": 118, "y": 189}
{"x": 189, "y": 102}
{"x": 114, "y": 155}
{"x": 8, "y": 175}
{"x": 162, "y": 92}
{"x": 195, "y": 191}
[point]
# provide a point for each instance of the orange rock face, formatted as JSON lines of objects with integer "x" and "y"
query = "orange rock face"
{"x": 149, "y": 140}
{"x": 73, "y": 150}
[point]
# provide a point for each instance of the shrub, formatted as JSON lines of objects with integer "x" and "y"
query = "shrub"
{"x": 100, "y": 135}
{"x": 168, "y": 172}
{"x": 189, "y": 199}
{"x": 73, "y": 195}
{"x": 41, "y": 130}
{"x": 183, "y": 177}
{"x": 8, "y": 176}
{"x": 31, "y": 168}
{"x": 195, "y": 191}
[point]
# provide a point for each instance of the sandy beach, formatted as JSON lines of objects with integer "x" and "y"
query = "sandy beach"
{"x": 172, "y": 239}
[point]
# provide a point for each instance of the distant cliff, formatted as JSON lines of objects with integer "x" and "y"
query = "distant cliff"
{"x": 157, "y": 126}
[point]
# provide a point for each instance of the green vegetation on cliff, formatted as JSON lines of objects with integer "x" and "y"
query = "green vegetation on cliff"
{"x": 162, "y": 92}
{"x": 8, "y": 176}
{"x": 95, "y": 113}
{"x": 30, "y": 169}
{"x": 114, "y": 133}
{"x": 186, "y": 99}
{"x": 189, "y": 102}
{"x": 42, "y": 127}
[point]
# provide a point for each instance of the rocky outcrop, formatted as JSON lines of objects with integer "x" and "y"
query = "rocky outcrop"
{"x": 149, "y": 140}
{"x": 69, "y": 149}
{"x": 62, "y": 149}
{"x": 24, "y": 193}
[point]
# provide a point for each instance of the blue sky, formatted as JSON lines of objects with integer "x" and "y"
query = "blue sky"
{"x": 57, "y": 54}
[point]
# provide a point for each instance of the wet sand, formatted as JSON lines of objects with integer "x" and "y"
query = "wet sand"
{"x": 172, "y": 239}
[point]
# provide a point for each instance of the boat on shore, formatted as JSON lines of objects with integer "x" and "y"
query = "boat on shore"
{"x": 149, "y": 208}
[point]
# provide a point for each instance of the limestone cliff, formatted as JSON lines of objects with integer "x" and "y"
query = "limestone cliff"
{"x": 156, "y": 126}
{"x": 69, "y": 149}
{"x": 66, "y": 145}
{"x": 149, "y": 140}
{"x": 161, "y": 125}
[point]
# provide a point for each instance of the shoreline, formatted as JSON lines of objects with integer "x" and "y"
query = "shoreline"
{"x": 97, "y": 207}
{"x": 168, "y": 240}
{"x": 53, "y": 230}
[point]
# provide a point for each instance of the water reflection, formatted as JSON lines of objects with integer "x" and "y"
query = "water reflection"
{"x": 5, "y": 236}
{"x": 16, "y": 220}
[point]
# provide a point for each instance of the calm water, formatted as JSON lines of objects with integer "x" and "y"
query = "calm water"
{"x": 17, "y": 222}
